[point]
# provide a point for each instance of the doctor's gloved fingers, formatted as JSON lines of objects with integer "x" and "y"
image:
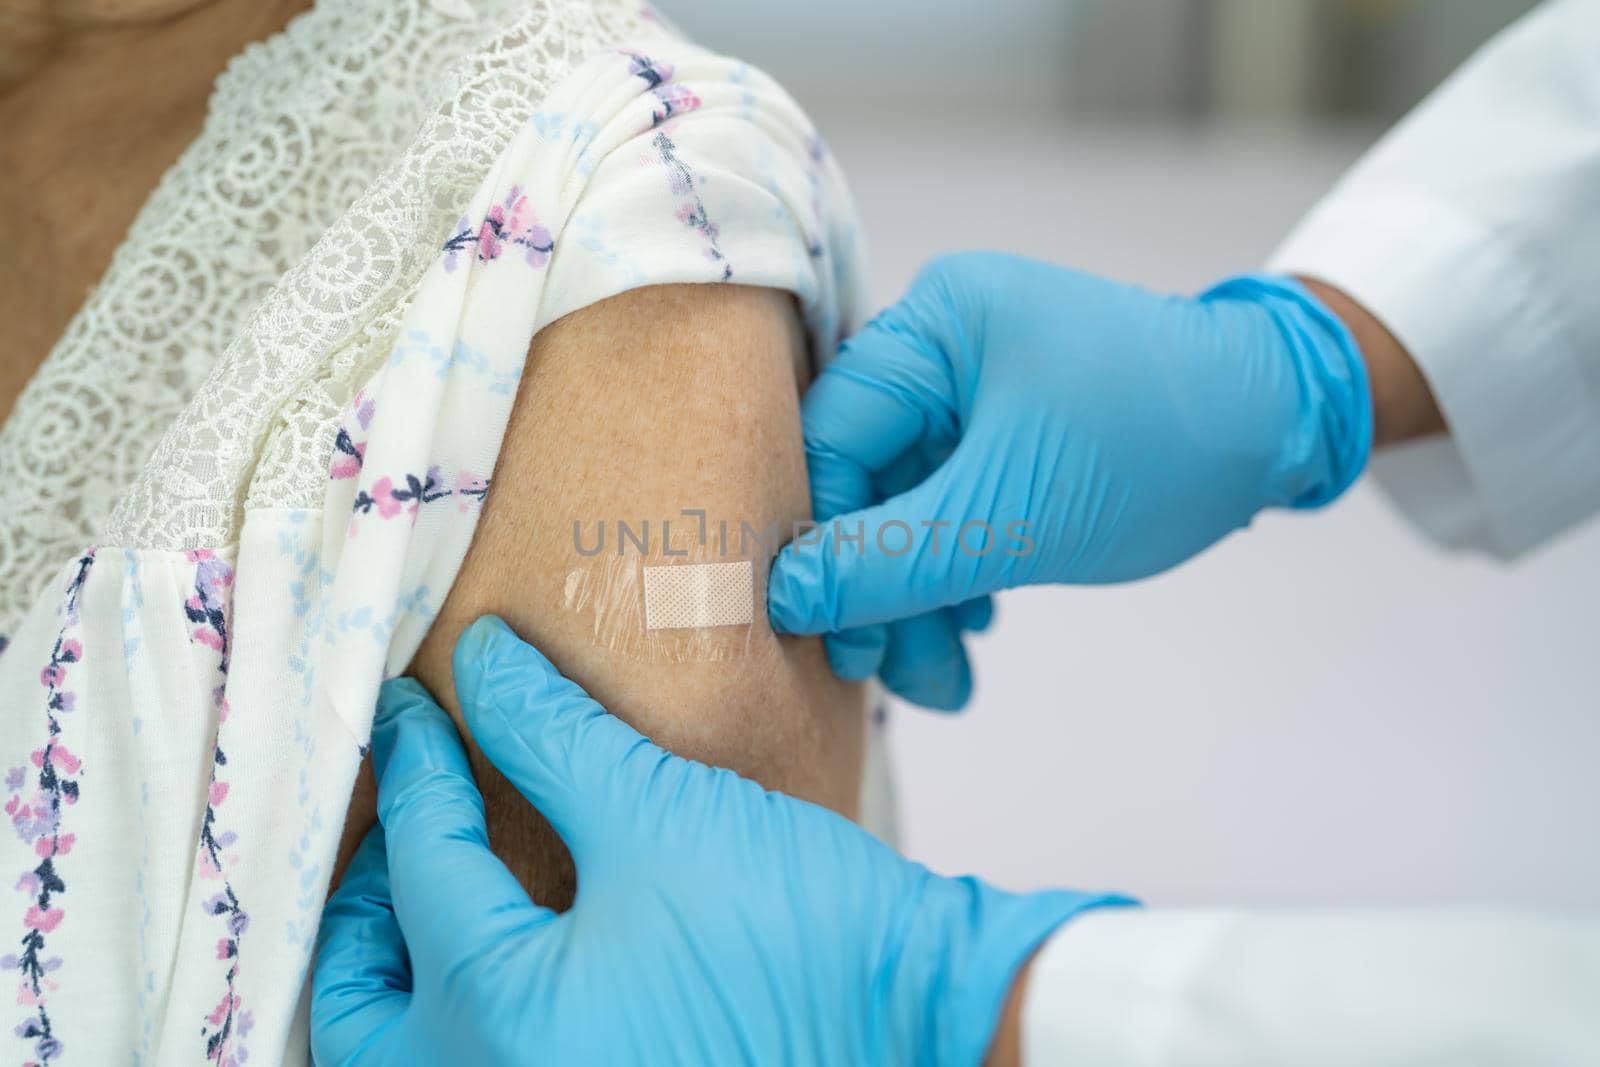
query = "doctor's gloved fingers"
{"x": 885, "y": 394}
{"x": 883, "y": 563}
{"x": 856, "y": 655}
{"x": 976, "y": 615}
{"x": 909, "y": 470}
{"x": 582, "y": 767}
{"x": 361, "y": 983}
{"x": 434, "y": 833}
{"x": 925, "y": 662}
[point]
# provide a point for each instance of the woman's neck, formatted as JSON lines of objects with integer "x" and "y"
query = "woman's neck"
{"x": 89, "y": 131}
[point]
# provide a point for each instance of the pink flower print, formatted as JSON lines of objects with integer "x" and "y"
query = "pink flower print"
{"x": 693, "y": 214}
{"x": 538, "y": 243}
{"x": 347, "y": 456}
{"x": 653, "y": 71}
{"x": 388, "y": 498}
{"x": 457, "y": 242}
{"x": 228, "y": 1002}
{"x": 35, "y": 822}
{"x": 226, "y": 1019}
{"x": 516, "y": 208}
{"x": 208, "y": 637}
{"x": 63, "y": 760}
{"x": 691, "y": 209}
{"x": 218, "y": 793}
{"x": 489, "y": 234}
{"x": 672, "y": 100}
{"x": 60, "y": 759}
{"x": 510, "y": 222}
{"x": 518, "y": 225}
{"x": 38, "y": 823}
{"x": 209, "y": 870}
{"x": 43, "y": 920}
{"x": 56, "y": 846}
{"x": 383, "y": 498}
{"x": 470, "y": 489}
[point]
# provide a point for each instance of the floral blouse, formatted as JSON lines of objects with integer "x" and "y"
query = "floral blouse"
{"x": 182, "y": 724}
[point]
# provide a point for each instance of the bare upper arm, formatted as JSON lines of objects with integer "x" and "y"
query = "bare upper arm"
{"x": 651, "y": 402}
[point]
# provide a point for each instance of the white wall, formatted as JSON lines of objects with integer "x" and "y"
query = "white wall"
{"x": 1271, "y": 59}
{"x": 859, "y": 58}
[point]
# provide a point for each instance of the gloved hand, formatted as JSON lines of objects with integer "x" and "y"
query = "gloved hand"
{"x": 1098, "y": 433}
{"x": 715, "y": 922}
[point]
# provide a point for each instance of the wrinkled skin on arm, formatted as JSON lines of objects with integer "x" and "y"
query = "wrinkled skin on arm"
{"x": 656, "y": 400}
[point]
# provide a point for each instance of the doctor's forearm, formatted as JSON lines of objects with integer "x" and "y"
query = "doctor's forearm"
{"x": 1403, "y": 406}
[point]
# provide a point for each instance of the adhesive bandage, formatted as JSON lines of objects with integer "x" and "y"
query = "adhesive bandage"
{"x": 704, "y": 607}
{"x": 691, "y": 595}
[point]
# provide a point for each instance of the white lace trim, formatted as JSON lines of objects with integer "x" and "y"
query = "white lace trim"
{"x": 268, "y": 272}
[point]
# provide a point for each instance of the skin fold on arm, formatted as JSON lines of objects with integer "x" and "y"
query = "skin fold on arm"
{"x": 635, "y": 408}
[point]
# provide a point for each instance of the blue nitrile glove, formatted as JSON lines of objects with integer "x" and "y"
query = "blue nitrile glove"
{"x": 1098, "y": 431}
{"x": 715, "y": 922}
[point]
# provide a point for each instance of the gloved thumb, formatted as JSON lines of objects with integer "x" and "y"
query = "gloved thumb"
{"x": 911, "y": 554}
{"x": 566, "y": 754}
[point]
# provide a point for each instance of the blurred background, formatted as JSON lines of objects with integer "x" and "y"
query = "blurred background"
{"x": 1325, "y": 709}
{"x": 860, "y": 64}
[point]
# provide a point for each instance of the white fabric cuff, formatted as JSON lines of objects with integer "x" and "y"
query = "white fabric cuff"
{"x": 1109, "y": 987}
{"x": 1523, "y": 458}
{"x": 1379, "y": 987}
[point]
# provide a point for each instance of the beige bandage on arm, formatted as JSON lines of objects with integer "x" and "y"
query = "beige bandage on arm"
{"x": 693, "y": 595}
{"x": 702, "y": 608}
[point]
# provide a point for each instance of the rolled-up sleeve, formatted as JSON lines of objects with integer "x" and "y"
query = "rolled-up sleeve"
{"x": 1472, "y": 231}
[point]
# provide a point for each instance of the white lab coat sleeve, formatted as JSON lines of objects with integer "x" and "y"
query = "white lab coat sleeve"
{"x": 1127, "y": 987}
{"x": 1472, "y": 231}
